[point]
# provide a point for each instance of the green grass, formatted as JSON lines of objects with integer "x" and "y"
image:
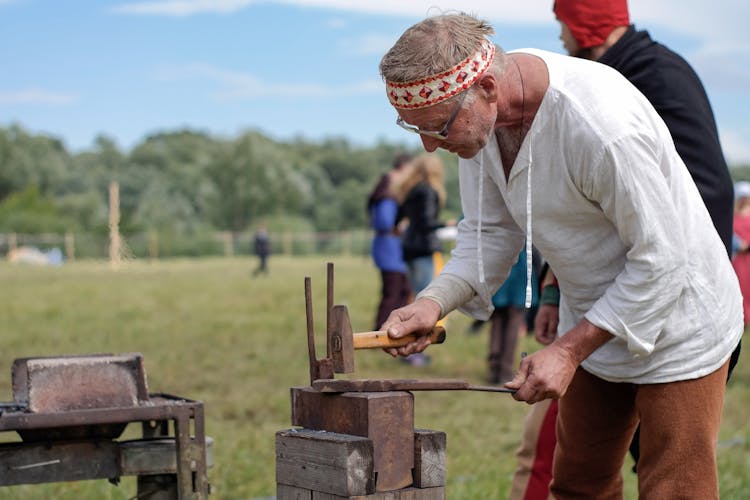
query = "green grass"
{"x": 210, "y": 331}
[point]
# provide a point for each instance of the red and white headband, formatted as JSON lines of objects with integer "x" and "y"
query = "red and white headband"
{"x": 434, "y": 89}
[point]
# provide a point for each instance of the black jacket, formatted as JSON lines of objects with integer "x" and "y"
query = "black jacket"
{"x": 675, "y": 90}
{"x": 421, "y": 207}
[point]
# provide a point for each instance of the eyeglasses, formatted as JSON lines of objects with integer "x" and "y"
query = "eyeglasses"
{"x": 443, "y": 133}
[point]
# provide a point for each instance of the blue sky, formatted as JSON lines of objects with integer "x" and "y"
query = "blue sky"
{"x": 127, "y": 68}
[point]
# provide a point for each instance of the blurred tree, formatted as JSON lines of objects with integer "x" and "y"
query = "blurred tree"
{"x": 188, "y": 181}
{"x": 29, "y": 212}
{"x": 27, "y": 160}
{"x": 253, "y": 177}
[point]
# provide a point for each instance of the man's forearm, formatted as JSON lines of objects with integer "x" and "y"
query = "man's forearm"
{"x": 449, "y": 291}
{"x": 583, "y": 339}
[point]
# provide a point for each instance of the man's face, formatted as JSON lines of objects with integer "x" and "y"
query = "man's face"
{"x": 467, "y": 135}
{"x": 569, "y": 42}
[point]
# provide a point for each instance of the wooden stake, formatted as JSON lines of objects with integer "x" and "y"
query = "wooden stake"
{"x": 115, "y": 242}
{"x": 70, "y": 247}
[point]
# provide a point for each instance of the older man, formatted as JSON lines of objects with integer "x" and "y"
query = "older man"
{"x": 567, "y": 153}
{"x": 600, "y": 30}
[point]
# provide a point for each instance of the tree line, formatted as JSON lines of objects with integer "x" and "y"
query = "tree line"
{"x": 187, "y": 181}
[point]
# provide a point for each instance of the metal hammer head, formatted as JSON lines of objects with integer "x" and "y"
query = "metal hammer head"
{"x": 341, "y": 340}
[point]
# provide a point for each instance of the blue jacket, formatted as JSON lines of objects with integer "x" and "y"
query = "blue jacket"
{"x": 386, "y": 245}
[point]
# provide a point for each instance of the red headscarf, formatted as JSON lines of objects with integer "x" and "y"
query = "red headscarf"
{"x": 591, "y": 21}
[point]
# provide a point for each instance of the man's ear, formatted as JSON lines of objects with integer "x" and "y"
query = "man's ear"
{"x": 487, "y": 85}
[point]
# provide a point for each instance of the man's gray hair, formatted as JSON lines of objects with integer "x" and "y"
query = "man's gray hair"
{"x": 434, "y": 45}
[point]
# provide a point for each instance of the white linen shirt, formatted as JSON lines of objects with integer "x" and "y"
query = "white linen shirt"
{"x": 617, "y": 216}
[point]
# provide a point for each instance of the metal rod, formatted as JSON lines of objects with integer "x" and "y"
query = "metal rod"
{"x": 329, "y": 307}
{"x": 310, "y": 330}
{"x": 490, "y": 388}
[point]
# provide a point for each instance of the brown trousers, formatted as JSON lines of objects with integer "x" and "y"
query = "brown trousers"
{"x": 679, "y": 433}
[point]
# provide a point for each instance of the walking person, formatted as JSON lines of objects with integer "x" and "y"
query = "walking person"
{"x": 262, "y": 248}
{"x": 508, "y": 321}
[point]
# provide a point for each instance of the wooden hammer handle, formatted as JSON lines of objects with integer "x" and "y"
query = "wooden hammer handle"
{"x": 371, "y": 340}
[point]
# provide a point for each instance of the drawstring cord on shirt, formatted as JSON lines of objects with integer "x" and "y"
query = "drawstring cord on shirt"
{"x": 529, "y": 239}
{"x": 529, "y": 256}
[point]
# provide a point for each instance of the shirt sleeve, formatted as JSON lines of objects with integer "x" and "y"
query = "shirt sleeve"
{"x": 634, "y": 194}
{"x": 449, "y": 291}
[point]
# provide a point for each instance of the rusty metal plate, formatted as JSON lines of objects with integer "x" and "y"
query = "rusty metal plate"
{"x": 59, "y": 384}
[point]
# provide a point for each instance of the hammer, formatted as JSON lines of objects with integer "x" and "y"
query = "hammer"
{"x": 343, "y": 341}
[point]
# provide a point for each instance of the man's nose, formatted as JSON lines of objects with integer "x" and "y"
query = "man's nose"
{"x": 430, "y": 144}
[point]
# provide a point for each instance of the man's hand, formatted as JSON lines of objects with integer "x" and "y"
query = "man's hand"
{"x": 543, "y": 375}
{"x": 547, "y": 373}
{"x": 545, "y": 323}
{"x": 418, "y": 317}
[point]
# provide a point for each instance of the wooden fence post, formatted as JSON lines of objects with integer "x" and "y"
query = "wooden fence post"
{"x": 115, "y": 242}
{"x": 287, "y": 243}
{"x": 153, "y": 245}
{"x": 228, "y": 246}
{"x": 70, "y": 247}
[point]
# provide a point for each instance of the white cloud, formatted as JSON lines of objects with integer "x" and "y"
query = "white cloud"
{"x": 336, "y": 23}
{"x": 718, "y": 22}
{"x": 701, "y": 19}
{"x": 704, "y": 21}
{"x": 720, "y": 68}
{"x": 368, "y": 45}
{"x": 235, "y": 85}
{"x": 534, "y": 11}
{"x": 528, "y": 11}
{"x": 37, "y": 97}
{"x": 181, "y": 8}
{"x": 736, "y": 146}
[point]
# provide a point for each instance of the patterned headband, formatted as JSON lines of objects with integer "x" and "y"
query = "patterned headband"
{"x": 437, "y": 88}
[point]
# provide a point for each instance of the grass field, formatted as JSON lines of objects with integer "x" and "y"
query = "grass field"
{"x": 210, "y": 331}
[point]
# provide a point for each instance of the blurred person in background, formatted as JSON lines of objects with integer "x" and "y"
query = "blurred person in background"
{"x": 386, "y": 250}
{"x": 741, "y": 258}
{"x": 262, "y": 248}
{"x": 421, "y": 191}
{"x": 508, "y": 320}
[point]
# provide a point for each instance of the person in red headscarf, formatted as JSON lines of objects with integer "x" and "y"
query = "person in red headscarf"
{"x": 741, "y": 257}
{"x": 600, "y": 30}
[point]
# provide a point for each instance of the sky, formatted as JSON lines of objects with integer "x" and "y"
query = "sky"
{"x": 77, "y": 69}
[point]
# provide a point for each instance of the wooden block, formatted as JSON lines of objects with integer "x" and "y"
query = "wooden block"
{"x": 429, "y": 458}
{"x": 437, "y": 493}
{"x": 328, "y": 462}
{"x": 386, "y": 418}
{"x": 52, "y": 462}
{"x": 286, "y": 492}
{"x": 154, "y": 456}
{"x": 402, "y": 494}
